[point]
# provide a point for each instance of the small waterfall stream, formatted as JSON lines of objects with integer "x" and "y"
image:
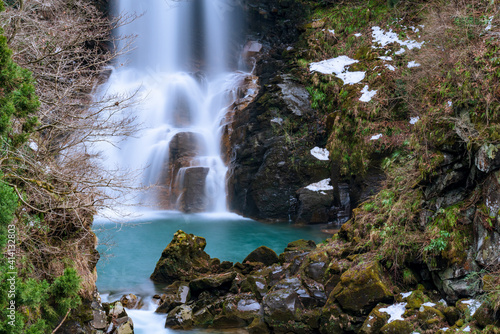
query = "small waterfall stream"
{"x": 183, "y": 71}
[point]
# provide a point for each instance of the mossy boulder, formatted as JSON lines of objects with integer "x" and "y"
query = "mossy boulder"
{"x": 264, "y": 255}
{"x": 375, "y": 321}
{"x": 397, "y": 327}
{"x": 416, "y": 299}
{"x": 362, "y": 287}
{"x": 183, "y": 259}
{"x": 255, "y": 284}
{"x": 429, "y": 317}
{"x": 281, "y": 306}
{"x": 334, "y": 320}
{"x": 452, "y": 314}
{"x": 485, "y": 316}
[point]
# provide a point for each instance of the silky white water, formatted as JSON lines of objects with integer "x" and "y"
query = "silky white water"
{"x": 183, "y": 74}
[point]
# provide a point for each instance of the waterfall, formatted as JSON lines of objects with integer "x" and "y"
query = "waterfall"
{"x": 184, "y": 72}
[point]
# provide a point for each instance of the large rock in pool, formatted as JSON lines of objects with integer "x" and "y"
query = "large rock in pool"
{"x": 262, "y": 254}
{"x": 362, "y": 287}
{"x": 184, "y": 259}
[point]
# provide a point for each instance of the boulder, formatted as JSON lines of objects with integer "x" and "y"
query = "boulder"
{"x": 175, "y": 295}
{"x": 362, "y": 287}
{"x": 183, "y": 259}
{"x": 397, "y": 327}
{"x": 213, "y": 283}
{"x": 193, "y": 198}
{"x": 180, "y": 317}
{"x": 237, "y": 311}
{"x": 314, "y": 206}
{"x": 125, "y": 326}
{"x": 131, "y": 301}
{"x": 262, "y": 254}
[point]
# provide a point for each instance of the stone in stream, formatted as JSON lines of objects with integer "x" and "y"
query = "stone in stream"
{"x": 262, "y": 254}
{"x": 183, "y": 259}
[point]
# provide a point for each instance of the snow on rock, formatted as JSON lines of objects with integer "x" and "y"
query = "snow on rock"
{"x": 395, "y": 311}
{"x": 331, "y": 31}
{"x": 406, "y": 294}
{"x": 338, "y": 66}
{"x": 357, "y": 35}
{"x": 320, "y": 153}
{"x": 414, "y": 120}
{"x": 466, "y": 329}
{"x": 376, "y": 137}
{"x": 387, "y": 37}
{"x": 386, "y": 58}
{"x": 473, "y": 305}
{"x": 367, "y": 94}
{"x": 413, "y": 64}
{"x": 321, "y": 185}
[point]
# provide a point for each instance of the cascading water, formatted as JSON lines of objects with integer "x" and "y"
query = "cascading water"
{"x": 183, "y": 70}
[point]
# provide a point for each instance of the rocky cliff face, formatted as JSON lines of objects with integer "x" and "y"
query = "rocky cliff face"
{"x": 272, "y": 137}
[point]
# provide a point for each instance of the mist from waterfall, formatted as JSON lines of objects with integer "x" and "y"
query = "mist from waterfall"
{"x": 184, "y": 72}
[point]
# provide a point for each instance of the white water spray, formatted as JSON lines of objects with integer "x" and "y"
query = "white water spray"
{"x": 183, "y": 70}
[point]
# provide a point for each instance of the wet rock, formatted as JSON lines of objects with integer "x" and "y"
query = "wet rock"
{"x": 193, "y": 198}
{"x": 334, "y": 320}
{"x": 255, "y": 284}
{"x": 281, "y": 307}
{"x": 124, "y": 325}
{"x": 262, "y": 254}
{"x": 213, "y": 283}
{"x": 175, "y": 295}
{"x": 180, "y": 317}
{"x": 131, "y": 301}
{"x": 314, "y": 206}
{"x": 182, "y": 260}
{"x": 361, "y": 288}
{"x": 237, "y": 311}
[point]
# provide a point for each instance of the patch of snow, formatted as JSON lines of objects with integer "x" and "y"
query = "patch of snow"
{"x": 278, "y": 120}
{"x": 390, "y": 67}
{"x": 376, "y": 137}
{"x": 406, "y": 294}
{"x": 450, "y": 103}
{"x": 395, "y": 311}
{"x": 351, "y": 78}
{"x": 400, "y": 51}
{"x": 387, "y": 58}
{"x": 290, "y": 48}
{"x": 334, "y": 65}
{"x": 414, "y": 120}
{"x": 320, "y": 153}
{"x": 323, "y": 193}
{"x": 488, "y": 27}
{"x": 260, "y": 285}
{"x": 413, "y": 64}
{"x": 357, "y": 35}
{"x": 367, "y": 94}
{"x": 321, "y": 185}
{"x": 33, "y": 145}
{"x": 387, "y": 37}
{"x": 473, "y": 305}
{"x": 331, "y": 31}
{"x": 444, "y": 328}
{"x": 466, "y": 329}
{"x": 442, "y": 301}
{"x": 338, "y": 66}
